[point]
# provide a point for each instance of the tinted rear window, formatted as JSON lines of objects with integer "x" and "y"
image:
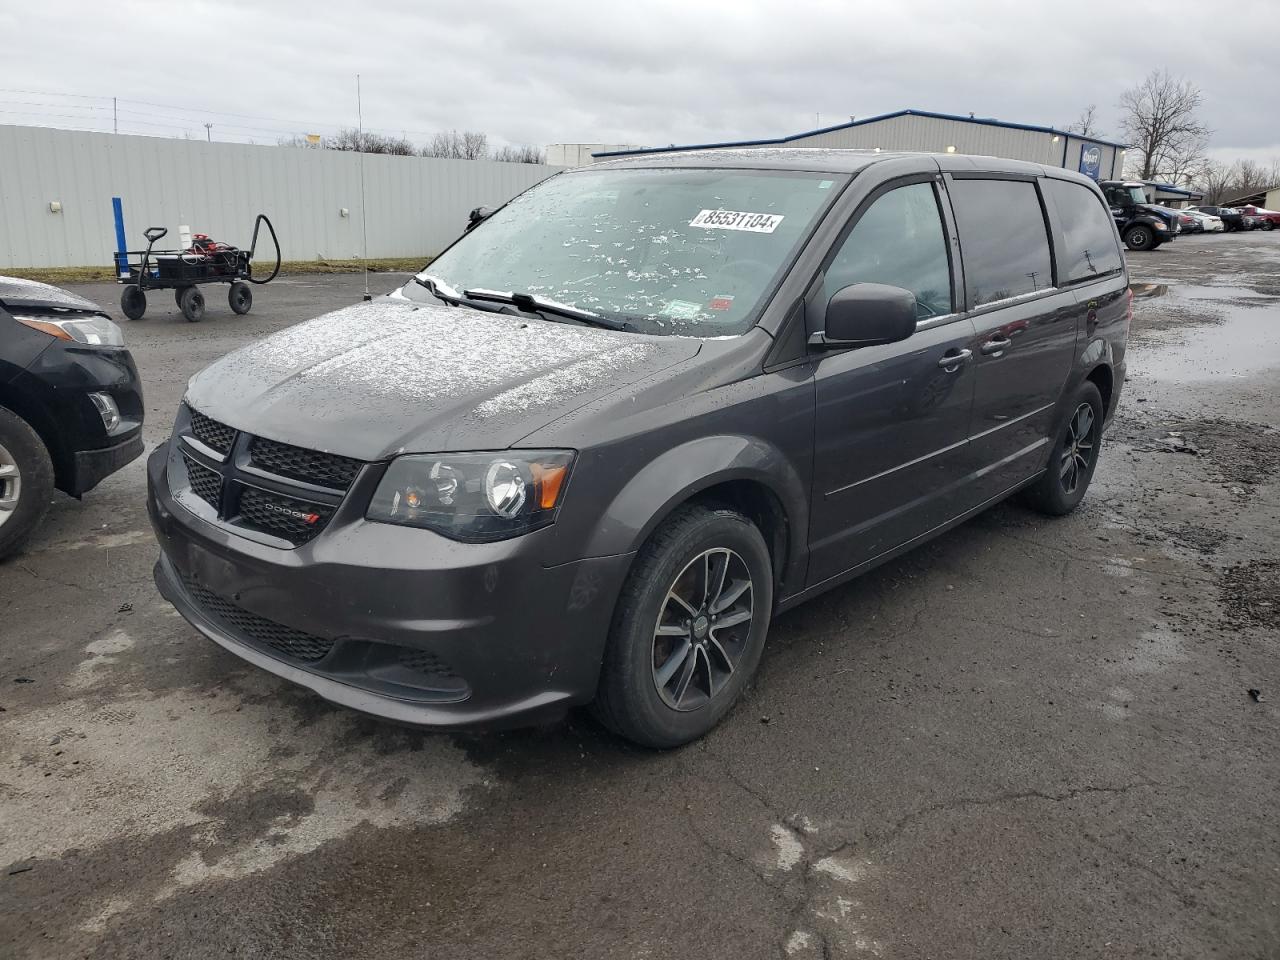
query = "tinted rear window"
{"x": 1089, "y": 248}
{"x": 1003, "y": 238}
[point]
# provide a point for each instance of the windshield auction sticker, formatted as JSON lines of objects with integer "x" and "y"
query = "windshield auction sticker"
{"x": 737, "y": 220}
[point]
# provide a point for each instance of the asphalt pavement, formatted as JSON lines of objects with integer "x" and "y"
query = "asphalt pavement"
{"x": 1028, "y": 738}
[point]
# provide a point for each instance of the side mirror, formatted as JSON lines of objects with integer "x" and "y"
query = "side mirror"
{"x": 866, "y": 314}
{"x": 479, "y": 215}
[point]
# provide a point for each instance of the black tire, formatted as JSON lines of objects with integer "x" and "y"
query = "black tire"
{"x": 133, "y": 302}
{"x": 240, "y": 297}
{"x": 685, "y": 551}
{"x": 1140, "y": 237}
{"x": 177, "y": 295}
{"x": 1268, "y": 226}
{"x": 1071, "y": 463}
{"x": 26, "y": 474}
{"x": 192, "y": 304}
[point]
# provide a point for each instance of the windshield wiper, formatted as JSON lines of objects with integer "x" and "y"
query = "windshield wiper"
{"x": 532, "y": 303}
{"x": 438, "y": 289}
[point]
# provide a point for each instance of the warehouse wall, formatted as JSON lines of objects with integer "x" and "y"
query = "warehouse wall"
{"x": 933, "y": 135}
{"x": 416, "y": 205}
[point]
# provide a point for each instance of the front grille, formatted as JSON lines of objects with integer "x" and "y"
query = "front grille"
{"x": 217, "y": 436}
{"x": 436, "y": 672}
{"x": 309, "y": 466}
{"x": 304, "y": 647}
{"x": 294, "y": 520}
{"x": 205, "y": 483}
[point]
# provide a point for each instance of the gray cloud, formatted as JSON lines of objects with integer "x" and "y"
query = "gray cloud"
{"x": 642, "y": 72}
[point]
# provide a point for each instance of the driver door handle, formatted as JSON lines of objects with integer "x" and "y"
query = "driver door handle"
{"x": 996, "y": 347}
{"x": 951, "y": 361}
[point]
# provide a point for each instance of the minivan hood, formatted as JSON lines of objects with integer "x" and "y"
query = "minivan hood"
{"x": 17, "y": 293}
{"x": 393, "y": 375}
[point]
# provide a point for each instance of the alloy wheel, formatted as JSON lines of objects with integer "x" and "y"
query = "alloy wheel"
{"x": 10, "y": 484}
{"x": 702, "y": 629}
{"x": 1078, "y": 448}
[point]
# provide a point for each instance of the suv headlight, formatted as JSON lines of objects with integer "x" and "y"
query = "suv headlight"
{"x": 475, "y": 497}
{"x": 95, "y": 331}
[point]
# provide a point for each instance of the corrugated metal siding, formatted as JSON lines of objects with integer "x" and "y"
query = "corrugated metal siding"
{"x": 931, "y": 135}
{"x": 416, "y": 205}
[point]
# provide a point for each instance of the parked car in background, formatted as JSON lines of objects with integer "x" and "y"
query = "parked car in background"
{"x": 70, "y": 402}
{"x": 629, "y": 417}
{"x": 1231, "y": 218}
{"x": 1189, "y": 224}
{"x": 1142, "y": 225}
{"x": 1208, "y": 222}
{"x": 1264, "y": 218}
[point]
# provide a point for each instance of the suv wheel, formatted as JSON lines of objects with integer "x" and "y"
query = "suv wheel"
{"x": 689, "y": 628}
{"x": 1139, "y": 238}
{"x": 1074, "y": 457}
{"x": 26, "y": 481}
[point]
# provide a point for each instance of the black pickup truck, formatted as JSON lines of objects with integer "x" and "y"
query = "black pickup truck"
{"x": 1142, "y": 225}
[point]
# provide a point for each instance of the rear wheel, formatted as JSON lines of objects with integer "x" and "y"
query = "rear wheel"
{"x": 1074, "y": 457}
{"x": 133, "y": 302}
{"x": 689, "y": 628}
{"x": 1140, "y": 238}
{"x": 240, "y": 296}
{"x": 26, "y": 481}
{"x": 192, "y": 304}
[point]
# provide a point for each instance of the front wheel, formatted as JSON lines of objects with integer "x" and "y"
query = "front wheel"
{"x": 689, "y": 628}
{"x": 192, "y": 304}
{"x": 1074, "y": 457}
{"x": 1140, "y": 238}
{"x": 26, "y": 481}
{"x": 240, "y": 297}
{"x": 133, "y": 302}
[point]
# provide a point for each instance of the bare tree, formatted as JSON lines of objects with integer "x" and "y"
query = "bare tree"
{"x": 1159, "y": 119}
{"x": 1087, "y": 124}
{"x": 468, "y": 145}
{"x": 1221, "y": 183}
{"x": 524, "y": 154}
{"x": 365, "y": 141}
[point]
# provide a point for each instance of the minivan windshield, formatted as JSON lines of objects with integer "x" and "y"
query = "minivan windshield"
{"x": 663, "y": 251}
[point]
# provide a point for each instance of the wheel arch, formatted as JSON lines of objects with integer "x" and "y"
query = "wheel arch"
{"x": 42, "y": 422}
{"x": 744, "y": 473}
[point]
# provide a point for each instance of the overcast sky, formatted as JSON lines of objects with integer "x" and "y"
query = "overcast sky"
{"x": 638, "y": 72}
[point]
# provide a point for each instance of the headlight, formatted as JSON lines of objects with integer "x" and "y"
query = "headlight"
{"x": 95, "y": 331}
{"x": 474, "y": 497}
{"x": 1160, "y": 225}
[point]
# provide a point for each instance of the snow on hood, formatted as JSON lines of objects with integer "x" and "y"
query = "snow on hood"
{"x": 17, "y": 292}
{"x": 391, "y": 375}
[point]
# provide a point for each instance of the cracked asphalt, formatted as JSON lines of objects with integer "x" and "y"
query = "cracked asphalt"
{"x": 1028, "y": 738}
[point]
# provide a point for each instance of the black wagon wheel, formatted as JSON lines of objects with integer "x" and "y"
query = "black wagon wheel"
{"x": 133, "y": 302}
{"x": 192, "y": 304}
{"x": 177, "y": 295}
{"x": 240, "y": 297}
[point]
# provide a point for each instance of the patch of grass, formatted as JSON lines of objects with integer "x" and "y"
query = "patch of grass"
{"x": 61, "y": 275}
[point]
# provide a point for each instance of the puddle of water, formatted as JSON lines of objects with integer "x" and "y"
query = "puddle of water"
{"x": 1236, "y": 340}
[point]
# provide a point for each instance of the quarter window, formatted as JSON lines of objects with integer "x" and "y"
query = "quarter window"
{"x": 1089, "y": 247}
{"x": 1003, "y": 238}
{"x": 898, "y": 241}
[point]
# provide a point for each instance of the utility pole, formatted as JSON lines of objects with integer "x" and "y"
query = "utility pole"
{"x": 115, "y": 117}
{"x": 208, "y": 132}
{"x": 364, "y": 224}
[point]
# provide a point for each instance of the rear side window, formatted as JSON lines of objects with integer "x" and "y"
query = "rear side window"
{"x": 1089, "y": 246}
{"x": 1003, "y": 238}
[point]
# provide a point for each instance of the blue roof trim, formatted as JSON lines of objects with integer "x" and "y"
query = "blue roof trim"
{"x": 1170, "y": 188}
{"x": 777, "y": 141}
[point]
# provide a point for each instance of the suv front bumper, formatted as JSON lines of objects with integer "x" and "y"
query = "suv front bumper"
{"x": 400, "y": 623}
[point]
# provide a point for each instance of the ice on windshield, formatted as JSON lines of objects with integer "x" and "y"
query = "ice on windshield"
{"x": 683, "y": 251}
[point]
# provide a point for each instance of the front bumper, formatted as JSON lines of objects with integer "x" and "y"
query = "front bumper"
{"x": 400, "y": 623}
{"x": 91, "y": 467}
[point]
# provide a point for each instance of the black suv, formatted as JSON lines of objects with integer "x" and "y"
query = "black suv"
{"x": 1142, "y": 225}
{"x": 70, "y": 401}
{"x": 631, "y": 416}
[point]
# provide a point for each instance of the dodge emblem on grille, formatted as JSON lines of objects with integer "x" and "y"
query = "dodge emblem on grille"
{"x": 307, "y": 518}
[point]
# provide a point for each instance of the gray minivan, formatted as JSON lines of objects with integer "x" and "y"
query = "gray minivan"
{"x": 591, "y": 451}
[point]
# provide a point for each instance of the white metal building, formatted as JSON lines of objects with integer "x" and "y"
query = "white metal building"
{"x": 925, "y": 131}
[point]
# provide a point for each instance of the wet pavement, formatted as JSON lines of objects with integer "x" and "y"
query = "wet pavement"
{"x": 1028, "y": 738}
